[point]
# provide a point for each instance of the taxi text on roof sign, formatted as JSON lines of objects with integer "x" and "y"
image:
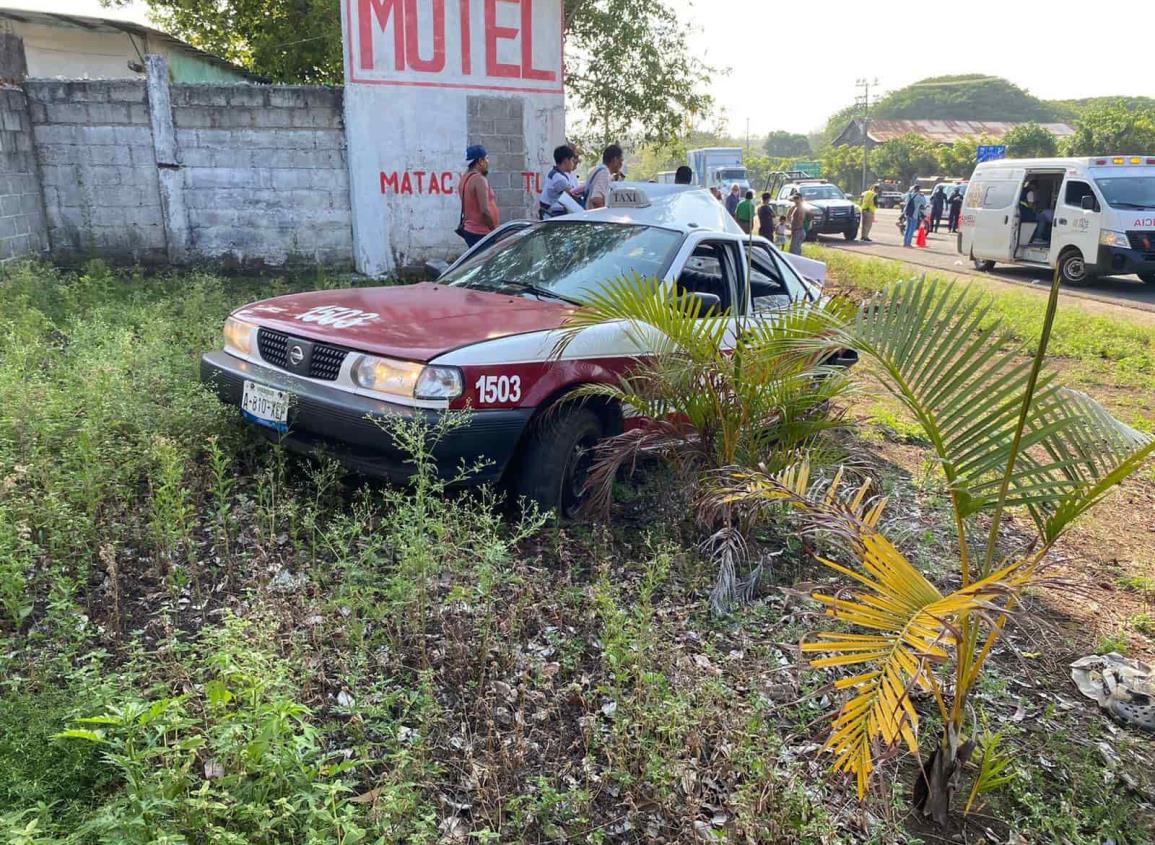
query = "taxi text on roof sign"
{"x": 512, "y": 45}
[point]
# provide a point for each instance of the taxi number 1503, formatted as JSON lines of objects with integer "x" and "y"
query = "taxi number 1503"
{"x": 494, "y": 389}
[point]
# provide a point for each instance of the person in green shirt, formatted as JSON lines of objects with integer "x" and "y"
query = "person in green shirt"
{"x": 744, "y": 213}
{"x": 869, "y": 207}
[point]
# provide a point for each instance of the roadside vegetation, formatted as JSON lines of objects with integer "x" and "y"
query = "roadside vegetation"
{"x": 206, "y": 640}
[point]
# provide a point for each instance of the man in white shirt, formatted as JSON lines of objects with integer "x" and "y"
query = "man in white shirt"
{"x": 560, "y": 185}
{"x": 601, "y": 177}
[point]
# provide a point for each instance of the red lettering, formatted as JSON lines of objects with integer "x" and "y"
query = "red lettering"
{"x": 527, "y": 180}
{"x": 494, "y": 33}
{"x": 412, "y": 44}
{"x": 420, "y": 174}
{"x": 447, "y": 182}
{"x": 434, "y": 188}
{"x": 466, "y": 46}
{"x": 528, "y": 71}
{"x": 381, "y": 10}
{"x": 388, "y": 180}
{"x": 406, "y": 185}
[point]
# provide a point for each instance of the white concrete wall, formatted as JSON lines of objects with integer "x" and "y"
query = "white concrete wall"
{"x": 411, "y": 114}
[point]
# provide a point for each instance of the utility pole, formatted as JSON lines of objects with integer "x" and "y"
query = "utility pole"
{"x": 747, "y": 136}
{"x": 863, "y": 100}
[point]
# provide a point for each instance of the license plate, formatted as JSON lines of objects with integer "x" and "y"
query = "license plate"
{"x": 266, "y": 406}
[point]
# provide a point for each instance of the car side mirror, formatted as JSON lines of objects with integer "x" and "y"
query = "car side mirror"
{"x": 1088, "y": 202}
{"x": 711, "y": 303}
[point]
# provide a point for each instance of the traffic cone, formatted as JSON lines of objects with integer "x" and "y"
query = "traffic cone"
{"x": 920, "y": 242}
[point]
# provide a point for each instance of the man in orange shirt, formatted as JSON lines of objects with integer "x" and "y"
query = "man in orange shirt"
{"x": 479, "y": 215}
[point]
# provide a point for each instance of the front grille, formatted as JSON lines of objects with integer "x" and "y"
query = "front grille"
{"x": 324, "y": 365}
{"x": 1144, "y": 241}
{"x": 838, "y": 212}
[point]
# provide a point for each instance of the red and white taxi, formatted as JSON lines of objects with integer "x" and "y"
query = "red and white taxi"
{"x": 318, "y": 371}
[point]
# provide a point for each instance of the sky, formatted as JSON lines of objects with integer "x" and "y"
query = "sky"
{"x": 792, "y": 65}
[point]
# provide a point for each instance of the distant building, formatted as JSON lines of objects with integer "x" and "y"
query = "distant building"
{"x": 939, "y": 131}
{"x": 74, "y": 47}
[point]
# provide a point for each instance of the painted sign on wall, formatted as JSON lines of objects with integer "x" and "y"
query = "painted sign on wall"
{"x": 427, "y": 78}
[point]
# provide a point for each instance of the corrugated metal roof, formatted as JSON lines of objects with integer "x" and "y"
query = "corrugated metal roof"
{"x": 114, "y": 25}
{"x": 949, "y": 131}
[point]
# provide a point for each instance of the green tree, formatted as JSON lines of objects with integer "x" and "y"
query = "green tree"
{"x": 780, "y": 144}
{"x": 843, "y": 167}
{"x": 966, "y": 97}
{"x": 1112, "y": 128}
{"x": 906, "y": 157}
{"x": 1030, "y": 140}
{"x": 284, "y": 40}
{"x": 650, "y": 92}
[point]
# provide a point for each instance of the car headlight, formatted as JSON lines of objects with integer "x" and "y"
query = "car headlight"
{"x": 1109, "y": 238}
{"x": 239, "y": 336}
{"x": 407, "y": 378}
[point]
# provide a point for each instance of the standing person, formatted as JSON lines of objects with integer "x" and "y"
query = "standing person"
{"x": 869, "y": 208}
{"x": 955, "y": 203}
{"x": 937, "y": 205}
{"x": 683, "y": 175}
{"x": 797, "y": 220}
{"x": 780, "y": 232}
{"x": 716, "y": 194}
{"x": 744, "y": 213}
{"x": 732, "y": 200}
{"x": 560, "y": 185}
{"x": 914, "y": 210}
{"x": 766, "y": 218}
{"x": 601, "y": 177}
{"x": 479, "y": 214}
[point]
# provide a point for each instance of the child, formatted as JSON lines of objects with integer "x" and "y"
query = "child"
{"x": 780, "y": 232}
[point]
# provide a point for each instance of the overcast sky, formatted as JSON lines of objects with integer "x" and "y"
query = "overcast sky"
{"x": 793, "y": 64}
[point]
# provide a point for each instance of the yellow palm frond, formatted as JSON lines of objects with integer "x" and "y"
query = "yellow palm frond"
{"x": 912, "y": 628}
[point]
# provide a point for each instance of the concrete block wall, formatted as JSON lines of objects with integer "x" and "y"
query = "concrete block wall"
{"x": 23, "y": 230}
{"x": 93, "y": 144}
{"x": 265, "y": 180}
{"x": 497, "y": 123}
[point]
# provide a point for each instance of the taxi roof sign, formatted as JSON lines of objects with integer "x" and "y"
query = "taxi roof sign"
{"x": 627, "y": 196}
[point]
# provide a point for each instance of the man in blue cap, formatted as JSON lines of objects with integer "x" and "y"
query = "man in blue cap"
{"x": 479, "y": 215}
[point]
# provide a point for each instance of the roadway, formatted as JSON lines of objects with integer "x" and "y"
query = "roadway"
{"x": 941, "y": 254}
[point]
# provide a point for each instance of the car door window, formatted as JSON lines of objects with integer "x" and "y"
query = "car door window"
{"x": 773, "y": 284}
{"x": 711, "y": 268}
{"x": 1074, "y": 193}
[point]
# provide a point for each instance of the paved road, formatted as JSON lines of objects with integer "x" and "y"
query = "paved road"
{"x": 941, "y": 254}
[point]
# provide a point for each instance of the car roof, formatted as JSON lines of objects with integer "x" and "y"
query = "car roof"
{"x": 684, "y": 208}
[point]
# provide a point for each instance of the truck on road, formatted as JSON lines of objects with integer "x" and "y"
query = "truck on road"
{"x": 719, "y": 167}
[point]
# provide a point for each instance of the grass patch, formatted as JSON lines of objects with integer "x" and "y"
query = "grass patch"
{"x": 1121, "y": 349}
{"x": 206, "y": 640}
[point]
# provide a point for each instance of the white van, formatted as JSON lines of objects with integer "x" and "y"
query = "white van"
{"x": 1087, "y": 216}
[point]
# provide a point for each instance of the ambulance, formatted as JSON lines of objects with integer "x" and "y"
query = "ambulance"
{"x": 323, "y": 371}
{"x": 1089, "y": 217}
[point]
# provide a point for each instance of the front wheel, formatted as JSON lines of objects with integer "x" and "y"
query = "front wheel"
{"x": 983, "y": 266}
{"x": 556, "y": 458}
{"x": 1147, "y": 278}
{"x": 850, "y": 234}
{"x": 1073, "y": 270}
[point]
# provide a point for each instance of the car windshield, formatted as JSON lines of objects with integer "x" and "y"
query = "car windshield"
{"x": 1128, "y": 191}
{"x": 732, "y": 173}
{"x": 567, "y": 259}
{"x": 822, "y": 192}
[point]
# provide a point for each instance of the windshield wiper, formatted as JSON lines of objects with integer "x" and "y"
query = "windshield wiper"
{"x": 1139, "y": 205}
{"x": 536, "y": 290}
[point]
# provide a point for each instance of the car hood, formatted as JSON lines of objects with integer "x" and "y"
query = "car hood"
{"x": 830, "y": 203}
{"x": 413, "y": 322}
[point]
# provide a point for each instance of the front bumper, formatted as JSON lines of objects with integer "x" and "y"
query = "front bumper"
{"x": 348, "y": 427}
{"x": 1114, "y": 260}
{"x": 837, "y": 225}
